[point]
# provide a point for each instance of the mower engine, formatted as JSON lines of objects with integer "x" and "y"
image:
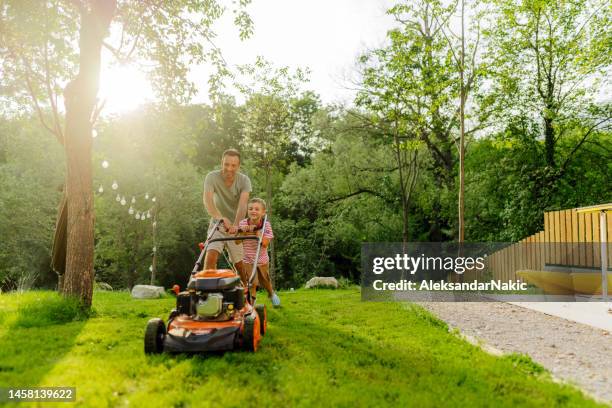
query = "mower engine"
{"x": 211, "y": 307}
{"x": 211, "y": 296}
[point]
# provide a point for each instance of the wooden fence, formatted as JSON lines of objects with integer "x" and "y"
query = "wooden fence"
{"x": 570, "y": 239}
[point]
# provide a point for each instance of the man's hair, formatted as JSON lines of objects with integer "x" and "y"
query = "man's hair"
{"x": 231, "y": 152}
{"x": 258, "y": 200}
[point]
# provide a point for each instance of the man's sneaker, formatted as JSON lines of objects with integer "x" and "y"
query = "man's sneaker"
{"x": 275, "y": 300}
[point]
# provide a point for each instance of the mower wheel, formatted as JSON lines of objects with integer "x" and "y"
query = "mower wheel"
{"x": 248, "y": 336}
{"x": 263, "y": 318}
{"x": 154, "y": 336}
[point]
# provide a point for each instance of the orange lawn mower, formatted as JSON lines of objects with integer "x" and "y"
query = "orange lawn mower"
{"x": 215, "y": 313}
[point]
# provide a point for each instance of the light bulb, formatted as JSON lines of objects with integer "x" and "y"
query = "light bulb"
{"x": 117, "y": 198}
{"x": 151, "y": 268}
{"x": 94, "y": 133}
{"x": 101, "y": 189}
{"x": 105, "y": 164}
{"x": 123, "y": 202}
{"x": 133, "y": 200}
{"x": 131, "y": 210}
{"x": 143, "y": 217}
{"x": 153, "y": 199}
{"x": 115, "y": 185}
{"x": 147, "y": 196}
{"x": 154, "y": 249}
{"x": 138, "y": 215}
{"x": 148, "y": 214}
{"x": 154, "y": 224}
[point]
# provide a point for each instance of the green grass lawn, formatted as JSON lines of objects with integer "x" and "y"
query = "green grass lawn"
{"x": 323, "y": 348}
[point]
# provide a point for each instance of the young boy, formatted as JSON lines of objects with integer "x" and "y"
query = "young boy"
{"x": 256, "y": 210}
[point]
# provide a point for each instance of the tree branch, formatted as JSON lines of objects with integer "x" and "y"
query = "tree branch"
{"x": 52, "y": 101}
{"x": 575, "y": 149}
{"x": 358, "y": 192}
{"x": 35, "y": 101}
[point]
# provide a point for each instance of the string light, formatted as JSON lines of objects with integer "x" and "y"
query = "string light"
{"x": 143, "y": 216}
{"x": 94, "y": 133}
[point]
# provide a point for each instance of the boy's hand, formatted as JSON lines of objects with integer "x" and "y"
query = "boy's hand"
{"x": 248, "y": 228}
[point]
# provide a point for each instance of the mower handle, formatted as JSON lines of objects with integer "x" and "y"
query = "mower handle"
{"x": 251, "y": 237}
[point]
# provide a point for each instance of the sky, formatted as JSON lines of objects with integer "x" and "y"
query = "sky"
{"x": 325, "y": 36}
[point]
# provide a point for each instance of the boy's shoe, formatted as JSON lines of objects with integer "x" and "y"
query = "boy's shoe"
{"x": 275, "y": 300}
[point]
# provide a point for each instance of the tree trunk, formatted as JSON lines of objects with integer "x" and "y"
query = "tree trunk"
{"x": 80, "y": 99}
{"x": 462, "y": 133}
{"x": 58, "y": 257}
{"x": 269, "y": 213}
{"x": 402, "y": 180}
{"x": 549, "y": 141}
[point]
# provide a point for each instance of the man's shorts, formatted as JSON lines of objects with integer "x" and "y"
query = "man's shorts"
{"x": 234, "y": 249}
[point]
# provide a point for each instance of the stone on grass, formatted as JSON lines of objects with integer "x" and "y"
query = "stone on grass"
{"x": 102, "y": 286}
{"x": 322, "y": 282}
{"x": 147, "y": 292}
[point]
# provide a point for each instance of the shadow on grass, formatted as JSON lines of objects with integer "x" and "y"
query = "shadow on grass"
{"x": 38, "y": 330}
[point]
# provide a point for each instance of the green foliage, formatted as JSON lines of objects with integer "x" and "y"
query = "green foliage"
{"x": 323, "y": 348}
{"x": 548, "y": 60}
{"x": 39, "y": 45}
{"x": 153, "y": 152}
{"x": 30, "y": 173}
{"x": 512, "y": 162}
{"x": 332, "y": 174}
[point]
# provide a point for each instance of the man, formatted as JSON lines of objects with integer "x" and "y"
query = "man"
{"x": 226, "y": 194}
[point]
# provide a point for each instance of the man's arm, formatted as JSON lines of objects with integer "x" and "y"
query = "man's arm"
{"x": 242, "y": 207}
{"x": 209, "y": 203}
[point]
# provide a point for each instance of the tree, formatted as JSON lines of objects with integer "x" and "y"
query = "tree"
{"x": 549, "y": 58}
{"x": 470, "y": 74}
{"x": 410, "y": 85}
{"x": 276, "y": 118}
{"x": 43, "y": 44}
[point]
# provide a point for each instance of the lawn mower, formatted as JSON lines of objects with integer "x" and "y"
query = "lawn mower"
{"x": 215, "y": 313}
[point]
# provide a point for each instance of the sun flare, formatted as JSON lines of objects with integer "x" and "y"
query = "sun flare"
{"x": 124, "y": 87}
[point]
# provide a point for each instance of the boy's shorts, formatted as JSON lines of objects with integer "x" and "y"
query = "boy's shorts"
{"x": 234, "y": 249}
{"x": 263, "y": 274}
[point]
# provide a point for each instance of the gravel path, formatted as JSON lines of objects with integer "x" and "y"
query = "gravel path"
{"x": 571, "y": 351}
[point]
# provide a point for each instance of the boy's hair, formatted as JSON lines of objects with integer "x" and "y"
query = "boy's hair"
{"x": 231, "y": 152}
{"x": 258, "y": 200}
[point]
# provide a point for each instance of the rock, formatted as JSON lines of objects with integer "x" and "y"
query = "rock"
{"x": 102, "y": 286}
{"x": 147, "y": 292}
{"x": 322, "y": 281}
